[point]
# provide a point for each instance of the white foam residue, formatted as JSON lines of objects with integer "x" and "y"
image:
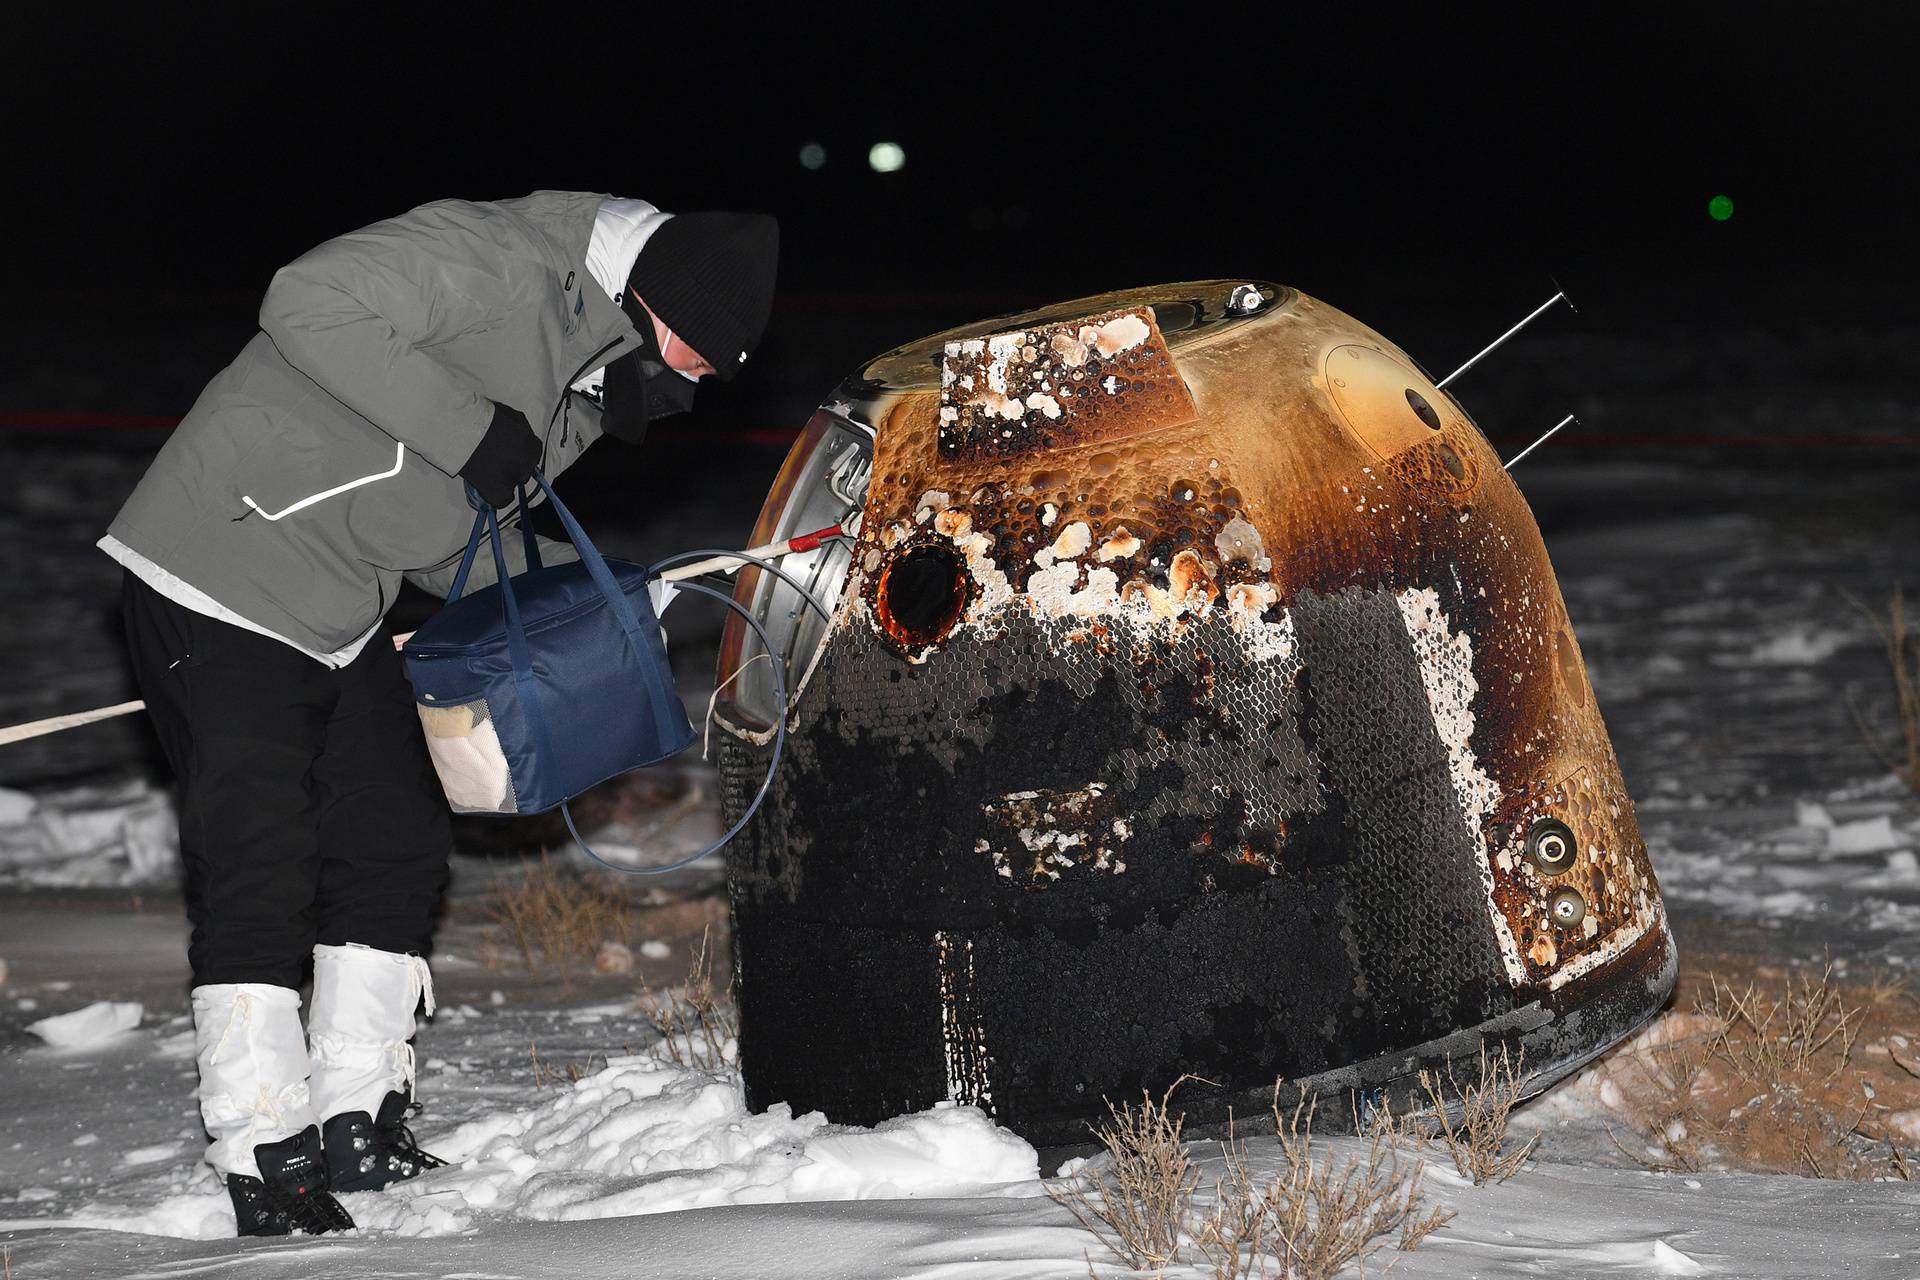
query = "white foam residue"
{"x": 1239, "y": 540}
{"x": 1446, "y": 670}
{"x": 1071, "y": 543}
{"x": 1122, "y": 333}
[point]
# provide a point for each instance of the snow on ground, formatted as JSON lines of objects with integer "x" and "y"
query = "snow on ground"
{"x": 1728, "y": 663}
{"x": 639, "y": 1136}
{"x": 122, "y": 835}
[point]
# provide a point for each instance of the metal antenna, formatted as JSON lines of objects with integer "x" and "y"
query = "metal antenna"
{"x": 1503, "y": 337}
{"x": 1508, "y": 464}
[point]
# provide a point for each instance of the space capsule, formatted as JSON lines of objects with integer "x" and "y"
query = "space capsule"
{"x": 1196, "y": 699}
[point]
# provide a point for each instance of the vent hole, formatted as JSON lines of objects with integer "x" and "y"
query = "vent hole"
{"x": 922, "y": 595}
{"x": 1421, "y": 409}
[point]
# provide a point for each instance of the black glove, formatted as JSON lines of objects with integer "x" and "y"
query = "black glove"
{"x": 505, "y": 458}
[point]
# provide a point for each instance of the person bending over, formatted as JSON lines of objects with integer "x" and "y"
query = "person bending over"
{"x": 462, "y": 343}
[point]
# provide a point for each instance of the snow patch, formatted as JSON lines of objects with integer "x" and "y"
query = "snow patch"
{"x": 15, "y": 807}
{"x": 94, "y": 1025}
{"x": 643, "y": 1136}
{"x": 1801, "y": 645}
{"x": 89, "y": 836}
{"x": 1868, "y": 835}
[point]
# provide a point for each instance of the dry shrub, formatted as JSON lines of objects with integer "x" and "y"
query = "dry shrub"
{"x": 1315, "y": 1215}
{"x": 556, "y": 919}
{"x": 1471, "y": 1119}
{"x": 1769, "y": 1038}
{"x": 1139, "y": 1204}
{"x": 1797, "y": 1079}
{"x": 1903, "y": 659}
{"x": 1319, "y": 1213}
{"x": 697, "y": 1024}
{"x": 1660, "y": 1076}
{"x": 545, "y": 1073}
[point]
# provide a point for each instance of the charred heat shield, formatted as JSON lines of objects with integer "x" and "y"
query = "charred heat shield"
{"x": 1198, "y": 700}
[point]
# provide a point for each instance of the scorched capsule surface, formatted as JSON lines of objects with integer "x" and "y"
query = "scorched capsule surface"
{"x": 1197, "y": 698}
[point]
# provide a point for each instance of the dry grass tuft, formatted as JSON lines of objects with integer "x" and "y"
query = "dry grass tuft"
{"x": 1477, "y": 1140}
{"x": 1318, "y": 1214}
{"x": 1769, "y": 1038}
{"x": 1138, "y": 1206}
{"x": 697, "y": 1024}
{"x": 558, "y": 920}
{"x": 1662, "y": 1082}
{"x": 1807, "y": 1078}
{"x": 1903, "y": 660}
{"x": 1314, "y": 1216}
{"x": 546, "y": 1074}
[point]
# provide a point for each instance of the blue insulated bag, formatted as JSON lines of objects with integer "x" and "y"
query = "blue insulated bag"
{"x": 538, "y": 687}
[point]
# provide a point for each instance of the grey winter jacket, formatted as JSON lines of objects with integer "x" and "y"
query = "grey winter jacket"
{"x": 320, "y": 467}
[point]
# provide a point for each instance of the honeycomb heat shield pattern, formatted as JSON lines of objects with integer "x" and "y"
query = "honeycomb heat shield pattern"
{"x": 1195, "y": 695}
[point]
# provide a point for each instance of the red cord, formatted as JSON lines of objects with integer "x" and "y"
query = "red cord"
{"x": 811, "y": 541}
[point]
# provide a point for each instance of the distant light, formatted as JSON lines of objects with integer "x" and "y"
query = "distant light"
{"x": 1720, "y": 208}
{"x": 813, "y": 156}
{"x": 886, "y": 157}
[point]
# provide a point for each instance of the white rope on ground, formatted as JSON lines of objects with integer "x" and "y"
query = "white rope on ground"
{"x": 73, "y": 720}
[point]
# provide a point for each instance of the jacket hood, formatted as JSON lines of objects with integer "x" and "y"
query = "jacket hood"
{"x": 621, "y": 228}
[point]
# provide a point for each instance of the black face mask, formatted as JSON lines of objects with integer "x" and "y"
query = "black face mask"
{"x": 639, "y": 387}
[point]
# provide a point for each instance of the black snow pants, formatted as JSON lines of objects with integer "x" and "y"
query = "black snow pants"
{"x": 309, "y": 811}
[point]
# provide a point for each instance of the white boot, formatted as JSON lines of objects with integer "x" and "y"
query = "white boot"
{"x": 360, "y": 1026}
{"x": 253, "y": 1070}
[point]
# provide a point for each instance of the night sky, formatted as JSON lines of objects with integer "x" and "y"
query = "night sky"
{"x": 1430, "y": 176}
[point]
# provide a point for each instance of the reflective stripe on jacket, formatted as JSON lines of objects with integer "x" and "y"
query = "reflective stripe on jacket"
{"x": 320, "y": 467}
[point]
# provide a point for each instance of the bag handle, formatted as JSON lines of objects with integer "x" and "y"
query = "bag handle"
{"x": 658, "y": 690}
{"x": 517, "y": 655}
{"x": 596, "y": 564}
{"x": 481, "y": 508}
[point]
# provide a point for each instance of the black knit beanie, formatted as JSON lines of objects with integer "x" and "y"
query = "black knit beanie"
{"x": 709, "y": 277}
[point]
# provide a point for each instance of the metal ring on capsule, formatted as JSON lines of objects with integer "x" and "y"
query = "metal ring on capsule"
{"x": 1551, "y": 847}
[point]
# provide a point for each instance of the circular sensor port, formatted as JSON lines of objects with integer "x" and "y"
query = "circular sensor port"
{"x": 1551, "y": 846}
{"x": 922, "y": 594}
{"x": 1567, "y": 907}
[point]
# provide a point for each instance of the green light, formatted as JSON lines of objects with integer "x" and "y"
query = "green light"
{"x": 1720, "y": 208}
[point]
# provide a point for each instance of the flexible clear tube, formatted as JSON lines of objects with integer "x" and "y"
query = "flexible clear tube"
{"x": 779, "y": 744}
{"x": 756, "y": 561}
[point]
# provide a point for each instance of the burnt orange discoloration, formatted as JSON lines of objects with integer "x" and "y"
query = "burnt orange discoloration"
{"x": 939, "y": 595}
{"x": 1305, "y": 466}
{"x": 1052, "y": 386}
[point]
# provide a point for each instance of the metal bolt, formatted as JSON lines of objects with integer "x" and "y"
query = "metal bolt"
{"x": 1245, "y": 300}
